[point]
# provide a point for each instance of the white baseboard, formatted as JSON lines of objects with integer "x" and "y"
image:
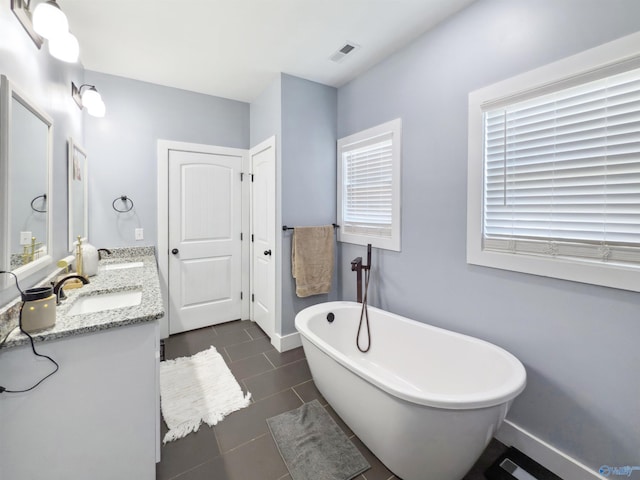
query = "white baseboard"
{"x": 548, "y": 456}
{"x": 286, "y": 342}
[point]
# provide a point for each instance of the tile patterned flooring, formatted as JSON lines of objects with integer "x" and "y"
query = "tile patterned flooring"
{"x": 241, "y": 447}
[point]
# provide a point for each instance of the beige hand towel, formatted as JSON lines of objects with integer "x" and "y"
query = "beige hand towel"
{"x": 312, "y": 259}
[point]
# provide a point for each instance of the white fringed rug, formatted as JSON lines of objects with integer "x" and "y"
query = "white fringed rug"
{"x": 197, "y": 389}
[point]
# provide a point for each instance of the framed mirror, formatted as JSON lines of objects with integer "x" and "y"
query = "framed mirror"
{"x": 26, "y": 138}
{"x": 78, "y": 191}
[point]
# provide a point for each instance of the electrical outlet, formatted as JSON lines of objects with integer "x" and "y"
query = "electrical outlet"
{"x": 25, "y": 238}
{"x": 139, "y": 234}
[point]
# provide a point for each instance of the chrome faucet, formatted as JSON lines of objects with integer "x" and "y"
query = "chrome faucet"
{"x": 58, "y": 288}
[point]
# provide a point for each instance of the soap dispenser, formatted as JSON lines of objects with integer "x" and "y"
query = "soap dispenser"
{"x": 89, "y": 260}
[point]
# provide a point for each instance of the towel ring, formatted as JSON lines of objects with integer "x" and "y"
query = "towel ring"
{"x": 44, "y": 196}
{"x": 124, "y": 199}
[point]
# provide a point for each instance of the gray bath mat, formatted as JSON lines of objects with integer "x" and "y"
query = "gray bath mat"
{"x": 313, "y": 446}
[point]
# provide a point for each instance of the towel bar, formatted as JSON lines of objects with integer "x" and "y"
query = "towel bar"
{"x": 285, "y": 228}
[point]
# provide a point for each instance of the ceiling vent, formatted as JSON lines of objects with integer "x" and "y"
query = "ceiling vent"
{"x": 347, "y": 49}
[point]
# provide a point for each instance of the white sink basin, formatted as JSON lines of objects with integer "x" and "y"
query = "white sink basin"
{"x": 118, "y": 266}
{"x": 105, "y": 301}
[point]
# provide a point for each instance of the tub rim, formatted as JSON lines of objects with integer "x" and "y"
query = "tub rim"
{"x": 488, "y": 398}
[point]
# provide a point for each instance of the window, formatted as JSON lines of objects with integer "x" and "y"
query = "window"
{"x": 369, "y": 187}
{"x": 559, "y": 173}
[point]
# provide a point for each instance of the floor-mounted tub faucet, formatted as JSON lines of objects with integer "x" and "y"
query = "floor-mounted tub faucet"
{"x": 358, "y": 267}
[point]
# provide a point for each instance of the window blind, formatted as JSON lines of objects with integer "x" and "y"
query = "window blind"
{"x": 562, "y": 172}
{"x": 367, "y": 187}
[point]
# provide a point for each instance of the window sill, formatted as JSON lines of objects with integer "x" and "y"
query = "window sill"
{"x": 613, "y": 275}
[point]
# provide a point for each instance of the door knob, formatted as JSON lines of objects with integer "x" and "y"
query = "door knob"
{"x": 175, "y": 251}
{"x": 267, "y": 252}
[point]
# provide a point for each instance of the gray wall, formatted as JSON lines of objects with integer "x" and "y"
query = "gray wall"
{"x": 122, "y": 148}
{"x": 47, "y": 83}
{"x": 309, "y": 118}
{"x": 266, "y": 115}
{"x": 265, "y": 122}
{"x": 578, "y": 342}
{"x": 303, "y": 116}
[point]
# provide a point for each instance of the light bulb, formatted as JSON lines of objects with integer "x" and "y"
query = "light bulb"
{"x": 90, "y": 97}
{"x": 49, "y": 21}
{"x": 92, "y": 101}
{"x": 98, "y": 109}
{"x": 65, "y": 47}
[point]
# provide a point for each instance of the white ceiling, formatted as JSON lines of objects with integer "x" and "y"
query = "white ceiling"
{"x": 235, "y": 48}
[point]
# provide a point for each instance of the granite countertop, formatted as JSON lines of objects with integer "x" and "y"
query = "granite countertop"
{"x": 144, "y": 278}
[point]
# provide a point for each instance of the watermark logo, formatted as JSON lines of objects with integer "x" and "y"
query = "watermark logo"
{"x": 625, "y": 471}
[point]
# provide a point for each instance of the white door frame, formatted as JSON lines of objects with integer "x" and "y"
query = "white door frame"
{"x": 164, "y": 147}
{"x": 277, "y": 340}
{"x": 273, "y": 334}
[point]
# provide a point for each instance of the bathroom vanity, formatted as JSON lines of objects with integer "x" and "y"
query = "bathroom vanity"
{"x": 98, "y": 417}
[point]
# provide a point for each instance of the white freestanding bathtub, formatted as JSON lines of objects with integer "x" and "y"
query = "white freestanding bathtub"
{"x": 425, "y": 401}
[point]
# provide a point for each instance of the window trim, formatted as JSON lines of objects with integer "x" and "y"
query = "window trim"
{"x": 393, "y": 127}
{"x": 604, "y": 60}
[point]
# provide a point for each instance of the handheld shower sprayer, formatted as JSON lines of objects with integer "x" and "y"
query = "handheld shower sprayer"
{"x": 364, "y": 313}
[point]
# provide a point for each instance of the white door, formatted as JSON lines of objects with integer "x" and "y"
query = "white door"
{"x": 205, "y": 211}
{"x": 263, "y": 231}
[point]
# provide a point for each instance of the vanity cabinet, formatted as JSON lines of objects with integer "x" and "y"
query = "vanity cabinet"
{"x": 96, "y": 418}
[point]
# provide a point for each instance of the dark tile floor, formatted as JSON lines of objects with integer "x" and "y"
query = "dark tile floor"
{"x": 241, "y": 447}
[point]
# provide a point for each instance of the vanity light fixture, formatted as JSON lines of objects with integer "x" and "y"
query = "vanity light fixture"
{"x": 50, "y": 22}
{"x": 87, "y": 96}
{"x": 47, "y": 21}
